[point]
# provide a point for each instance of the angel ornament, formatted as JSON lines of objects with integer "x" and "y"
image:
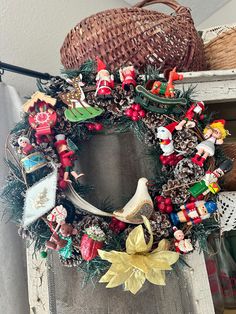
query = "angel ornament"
{"x": 214, "y": 134}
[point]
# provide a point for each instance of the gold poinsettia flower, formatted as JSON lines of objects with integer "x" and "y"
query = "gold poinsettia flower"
{"x": 138, "y": 263}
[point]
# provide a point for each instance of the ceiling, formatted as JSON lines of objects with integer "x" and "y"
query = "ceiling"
{"x": 201, "y": 9}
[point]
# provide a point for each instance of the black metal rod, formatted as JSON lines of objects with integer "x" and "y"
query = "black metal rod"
{"x": 24, "y": 71}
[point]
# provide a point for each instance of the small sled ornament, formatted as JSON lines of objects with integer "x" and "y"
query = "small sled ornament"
{"x": 78, "y": 108}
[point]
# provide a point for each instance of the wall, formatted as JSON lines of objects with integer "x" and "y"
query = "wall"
{"x": 32, "y": 32}
{"x": 225, "y": 15}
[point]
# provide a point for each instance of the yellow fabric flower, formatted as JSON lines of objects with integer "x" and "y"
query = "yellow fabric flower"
{"x": 138, "y": 263}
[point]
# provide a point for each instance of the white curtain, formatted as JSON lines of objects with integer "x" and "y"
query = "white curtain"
{"x": 13, "y": 274}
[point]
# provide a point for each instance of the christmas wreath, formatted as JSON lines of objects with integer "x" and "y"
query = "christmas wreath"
{"x": 176, "y": 208}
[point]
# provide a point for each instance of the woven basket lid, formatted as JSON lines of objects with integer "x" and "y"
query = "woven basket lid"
{"x": 137, "y": 35}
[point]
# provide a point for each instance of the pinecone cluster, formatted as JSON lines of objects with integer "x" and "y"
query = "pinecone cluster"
{"x": 120, "y": 100}
{"x": 161, "y": 226}
{"x": 185, "y": 141}
{"x": 185, "y": 172}
{"x": 74, "y": 261}
{"x": 177, "y": 190}
{"x": 153, "y": 121}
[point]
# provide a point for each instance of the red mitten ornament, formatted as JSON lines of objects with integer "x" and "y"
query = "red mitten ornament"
{"x": 91, "y": 242}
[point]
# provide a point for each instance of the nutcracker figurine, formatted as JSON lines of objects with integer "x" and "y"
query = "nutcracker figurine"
{"x": 105, "y": 81}
{"x": 214, "y": 134}
{"x": 66, "y": 159}
{"x": 210, "y": 181}
{"x": 182, "y": 245}
{"x": 190, "y": 118}
{"x": 127, "y": 77}
{"x": 194, "y": 213}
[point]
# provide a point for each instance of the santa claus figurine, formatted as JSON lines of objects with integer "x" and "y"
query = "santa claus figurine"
{"x": 182, "y": 245}
{"x": 24, "y": 145}
{"x": 67, "y": 157}
{"x": 105, "y": 81}
{"x": 127, "y": 77}
{"x": 164, "y": 133}
{"x": 191, "y": 116}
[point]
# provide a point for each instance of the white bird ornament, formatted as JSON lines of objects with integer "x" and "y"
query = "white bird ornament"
{"x": 139, "y": 205}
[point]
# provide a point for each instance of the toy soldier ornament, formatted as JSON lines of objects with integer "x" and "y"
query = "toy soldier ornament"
{"x": 191, "y": 116}
{"x": 210, "y": 181}
{"x": 67, "y": 157}
{"x": 194, "y": 213}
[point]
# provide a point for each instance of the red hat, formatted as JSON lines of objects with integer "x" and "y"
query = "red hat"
{"x": 222, "y": 121}
{"x": 171, "y": 126}
{"x": 100, "y": 65}
{"x": 60, "y": 140}
{"x": 201, "y": 104}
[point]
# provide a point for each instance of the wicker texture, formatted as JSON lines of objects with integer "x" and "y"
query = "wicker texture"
{"x": 138, "y": 35}
{"x": 220, "y": 51}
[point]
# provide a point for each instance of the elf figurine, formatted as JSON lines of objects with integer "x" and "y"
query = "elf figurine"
{"x": 191, "y": 116}
{"x": 67, "y": 157}
{"x": 105, "y": 81}
{"x": 194, "y": 213}
{"x": 210, "y": 181}
{"x": 25, "y": 147}
{"x": 182, "y": 245}
{"x": 214, "y": 134}
{"x": 127, "y": 77}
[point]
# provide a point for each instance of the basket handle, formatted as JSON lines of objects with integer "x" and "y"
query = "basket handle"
{"x": 171, "y": 3}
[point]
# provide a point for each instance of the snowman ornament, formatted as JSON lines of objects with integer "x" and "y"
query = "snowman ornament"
{"x": 164, "y": 133}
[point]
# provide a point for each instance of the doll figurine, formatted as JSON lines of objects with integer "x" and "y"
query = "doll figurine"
{"x": 210, "y": 181}
{"x": 66, "y": 159}
{"x": 193, "y": 213}
{"x": 182, "y": 245}
{"x": 127, "y": 77}
{"x": 190, "y": 118}
{"x": 105, "y": 81}
{"x": 25, "y": 147}
{"x": 214, "y": 134}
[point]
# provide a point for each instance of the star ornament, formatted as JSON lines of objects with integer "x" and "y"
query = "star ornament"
{"x": 139, "y": 263}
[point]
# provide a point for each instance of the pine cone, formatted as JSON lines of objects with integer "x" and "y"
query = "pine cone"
{"x": 25, "y": 234}
{"x": 161, "y": 226}
{"x": 177, "y": 190}
{"x": 74, "y": 261}
{"x": 185, "y": 140}
{"x": 154, "y": 120}
{"x": 89, "y": 221}
{"x": 188, "y": 171}
{"x": 150, "y": 139}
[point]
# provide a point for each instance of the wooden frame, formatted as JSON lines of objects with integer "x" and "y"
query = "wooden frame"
{"x": 211, "y": 87}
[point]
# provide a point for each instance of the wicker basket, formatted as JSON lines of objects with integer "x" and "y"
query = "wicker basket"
{"x": 220, "y": 50}
{"x": 137, "y": 35}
